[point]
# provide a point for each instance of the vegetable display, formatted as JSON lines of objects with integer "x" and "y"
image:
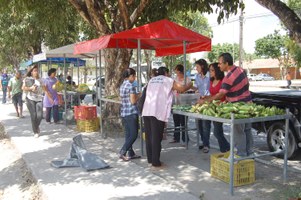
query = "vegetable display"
{"x": 83, "y": 88}
{"x": 58, "y": 86}
{"x": 241, "y": 110}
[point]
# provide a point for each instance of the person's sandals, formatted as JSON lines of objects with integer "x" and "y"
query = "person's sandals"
{"x": 174, "y": 141}
{"x": 124, "y": 158}
{"x": 201, "y": 147}
{"x": 206, "y": 149}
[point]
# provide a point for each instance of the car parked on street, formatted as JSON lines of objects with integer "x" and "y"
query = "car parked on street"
{"x": 252, "y": 77}
{"x": 264, "y": 77}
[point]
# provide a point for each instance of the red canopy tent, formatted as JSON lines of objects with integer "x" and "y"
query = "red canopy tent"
{"x": 164, "y": 36}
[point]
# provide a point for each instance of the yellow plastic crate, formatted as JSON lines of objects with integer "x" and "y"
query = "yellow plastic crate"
{"x": 91, "y": 125}
{"x": 244, "y": 170}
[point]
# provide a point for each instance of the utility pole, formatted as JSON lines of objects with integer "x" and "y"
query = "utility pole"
{"x": 241, "y": 21}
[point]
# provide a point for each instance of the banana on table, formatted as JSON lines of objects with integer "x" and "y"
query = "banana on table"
{"x": 241, "y": 110}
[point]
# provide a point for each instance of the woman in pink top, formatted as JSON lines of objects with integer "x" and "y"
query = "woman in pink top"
{"x": 156, "y": 110}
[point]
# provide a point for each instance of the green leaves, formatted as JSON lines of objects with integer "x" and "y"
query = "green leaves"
{"x": 270, "y": 46}
{"x": 218, "y": 49}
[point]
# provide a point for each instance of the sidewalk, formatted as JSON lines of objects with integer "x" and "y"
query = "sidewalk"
{"x": 187, "y": 175}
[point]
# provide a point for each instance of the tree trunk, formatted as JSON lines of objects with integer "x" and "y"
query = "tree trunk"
{"x": 116, "y": 61}
{"x": 107, "y": 19}
{"x": 288, "y": 17}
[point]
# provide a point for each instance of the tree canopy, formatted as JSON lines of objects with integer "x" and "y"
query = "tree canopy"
{"x": 218, "y": 49}
{"x": 271, "y": 46}
{"x": 27, "y": 25}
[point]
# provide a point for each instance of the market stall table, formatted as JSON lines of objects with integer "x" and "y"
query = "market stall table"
{"x": 233, "y": 121}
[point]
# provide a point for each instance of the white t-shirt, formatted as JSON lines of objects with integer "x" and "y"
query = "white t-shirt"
{"x": 158, "y": 98}
{"x": 38, "y": 94}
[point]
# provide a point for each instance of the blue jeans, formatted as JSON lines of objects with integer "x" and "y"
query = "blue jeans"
{"x": 130, "y": 124}
{"x": 204, "y": 130}
{"x": 4, "y": 89}
{"x": 243, "y": 139}
{"x": 218, "y": 132}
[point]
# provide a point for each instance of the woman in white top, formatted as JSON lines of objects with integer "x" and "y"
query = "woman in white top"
{"x": 179, "y": 120}
{"x": 33, "y": 85}
{"x": 156, "y": 110}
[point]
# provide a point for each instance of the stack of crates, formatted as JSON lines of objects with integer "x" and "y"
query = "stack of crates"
{"x": 244, "y": 170}
{"x": 86, "y": 118}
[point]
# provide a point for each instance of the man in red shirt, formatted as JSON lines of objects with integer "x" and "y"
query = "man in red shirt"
{"x": 235, "y": 87}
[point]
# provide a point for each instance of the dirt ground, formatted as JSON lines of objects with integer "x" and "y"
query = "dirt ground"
{"x": 16, "y": 180}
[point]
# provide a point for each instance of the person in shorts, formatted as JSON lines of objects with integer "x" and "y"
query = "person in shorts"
{"x": 15, "y": 92}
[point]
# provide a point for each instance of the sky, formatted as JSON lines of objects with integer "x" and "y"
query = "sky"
{"x": 254, "y": 27}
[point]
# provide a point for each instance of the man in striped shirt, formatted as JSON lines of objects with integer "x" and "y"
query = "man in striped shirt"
{"x": 235, "y": 87}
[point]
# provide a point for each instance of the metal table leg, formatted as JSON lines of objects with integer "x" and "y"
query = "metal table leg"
{"x": 285, "y": 148}
{"x": 231, "y": 154}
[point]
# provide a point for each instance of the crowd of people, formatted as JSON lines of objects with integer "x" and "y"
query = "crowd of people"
{"x": 217, "y": 81}
{"x": 36, "y": 92}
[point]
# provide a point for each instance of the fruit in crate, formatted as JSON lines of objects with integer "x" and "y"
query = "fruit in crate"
{"x": 58, "y": 86}
{"x": 83, "y": 88}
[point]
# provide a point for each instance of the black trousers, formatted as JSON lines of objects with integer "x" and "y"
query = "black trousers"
{"x": 179, "y": 120}
{"x": 154, "y": 133}
{"x": 55, "y": 113}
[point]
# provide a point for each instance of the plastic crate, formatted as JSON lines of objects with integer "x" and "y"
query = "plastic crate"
{"x": 85, "y": 112}
{"x": 88, "y": 125}
{"x": 244, "y": 170}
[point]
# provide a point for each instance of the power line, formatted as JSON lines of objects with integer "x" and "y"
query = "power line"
{"x": 245, "y": 17}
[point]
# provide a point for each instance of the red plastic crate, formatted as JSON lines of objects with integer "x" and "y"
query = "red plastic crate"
{"x": 85, "y": 112}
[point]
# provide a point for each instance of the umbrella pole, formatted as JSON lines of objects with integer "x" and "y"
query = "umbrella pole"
{"x": 77, "y": 71}
{"x": 100, "y": 96}
{"x": 65, "y": 90}
{"x": 186, "y": 118}
{"x": 96, "y": 92}
{"x": 139, "y": 90}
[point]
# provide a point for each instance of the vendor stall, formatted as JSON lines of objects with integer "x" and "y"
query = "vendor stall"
{"x": 233, "y": 121}
{"x": 63, "y": 54}
{"x": 172, "y": 40}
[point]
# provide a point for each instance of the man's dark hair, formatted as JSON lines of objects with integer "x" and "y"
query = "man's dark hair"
{"x": 128, "y": 72}
{"x": 162, "y": 71}
{"x": 50, "y": 71}
{"x": 227, "y": 58}
{"x": 69, "y": 78}
{"x": 204, "y": 65}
